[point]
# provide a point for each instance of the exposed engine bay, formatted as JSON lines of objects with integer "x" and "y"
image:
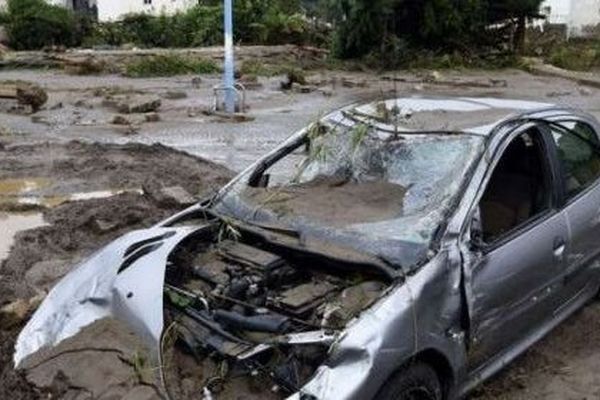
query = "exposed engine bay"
{"x": 246, "y": 310}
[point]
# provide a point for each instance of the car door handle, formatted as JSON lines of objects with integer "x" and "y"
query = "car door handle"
{"x": 559, "y": 248}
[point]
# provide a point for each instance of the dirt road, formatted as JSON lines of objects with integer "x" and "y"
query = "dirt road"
{"x": 124, "y": 165}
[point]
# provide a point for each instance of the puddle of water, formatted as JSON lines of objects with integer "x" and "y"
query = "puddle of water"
{"x": 27, "y": 192}
{"x": 14, "y": 187}
{"x": 21, "y": 191}
{"x": 101, "y": 194}
{"x": 11, "y": 224}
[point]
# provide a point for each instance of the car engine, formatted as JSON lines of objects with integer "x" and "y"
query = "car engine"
{"x": 259, "y": 315}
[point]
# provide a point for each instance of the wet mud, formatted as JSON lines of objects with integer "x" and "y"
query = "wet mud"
{"x": 49, "y": 174}
{"x": 72, "y": 231}
{"x": 333, "y": 203}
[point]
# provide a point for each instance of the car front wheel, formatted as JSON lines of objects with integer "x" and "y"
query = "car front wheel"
{"x": 417, "y": 381}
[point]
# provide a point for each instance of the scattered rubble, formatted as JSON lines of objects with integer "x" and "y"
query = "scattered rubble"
{"x": 132, "y": 104}
{"x": 152, "y": 117}
{"x": 120, "y": 120}
{"x": 304, "y": 89}
{"x": 559, "y": 94}
{"x": 175, "y": 95}
{"x": 196, "y": 82}
{"x": 88, "y": 66}
{"x": 352, "y": 83}
{"x": 293, "y": 77}
{"x": 226, "y": 117}
{"x": 132, "y": 121}
{"x": 25, "y": 93}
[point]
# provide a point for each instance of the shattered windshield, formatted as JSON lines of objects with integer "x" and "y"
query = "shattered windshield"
{"x": 378, "y": 192}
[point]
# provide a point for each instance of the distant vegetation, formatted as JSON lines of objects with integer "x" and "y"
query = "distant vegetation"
{"x": 392, "y": 29}
{"x": 34, "y": 24}
{"x": 381, "y": 33}
{"x": 168, "y": 65}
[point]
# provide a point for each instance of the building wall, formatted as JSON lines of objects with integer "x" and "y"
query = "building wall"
{"x": 110, "y": 10}
{"x": 584, "y": 14}
{"x": 558, "y": 11}
{"x": 576, "y": 14}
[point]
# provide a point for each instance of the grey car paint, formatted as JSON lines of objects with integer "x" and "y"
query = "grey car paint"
{"x": 445, "y": 313}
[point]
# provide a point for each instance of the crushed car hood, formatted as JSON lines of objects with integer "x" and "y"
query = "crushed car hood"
{"x": 247, "y": 300}
{"x": 124, "y": 280}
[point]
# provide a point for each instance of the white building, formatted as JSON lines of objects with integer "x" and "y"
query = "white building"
{"x": 110, "y": 10}
{"x": 576, "y": 14}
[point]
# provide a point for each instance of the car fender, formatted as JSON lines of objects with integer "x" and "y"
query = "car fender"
{"x": 124, "y": 280}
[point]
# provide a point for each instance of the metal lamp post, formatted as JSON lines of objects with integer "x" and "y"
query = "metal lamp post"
{"x": 229, "y": 78}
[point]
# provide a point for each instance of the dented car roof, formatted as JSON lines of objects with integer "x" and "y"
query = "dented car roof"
{"x": 419, "y": 114}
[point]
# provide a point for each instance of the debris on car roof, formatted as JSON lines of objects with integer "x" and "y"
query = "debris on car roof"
{"x": 416, "y": 115}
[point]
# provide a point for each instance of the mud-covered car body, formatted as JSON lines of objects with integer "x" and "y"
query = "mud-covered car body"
{"x": 464, "y": 280}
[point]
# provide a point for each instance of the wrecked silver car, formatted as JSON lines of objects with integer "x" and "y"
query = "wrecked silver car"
{"x": 407, "y": 249}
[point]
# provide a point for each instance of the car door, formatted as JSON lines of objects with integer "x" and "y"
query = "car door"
{"x": 578, "y": 152}
{"x": 514, "y": 272}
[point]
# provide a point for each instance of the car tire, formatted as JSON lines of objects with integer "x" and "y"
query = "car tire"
{"x": 417, "y": 381}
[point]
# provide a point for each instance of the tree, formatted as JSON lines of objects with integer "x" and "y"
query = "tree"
{"x": 33, "y": 24}
{"x": 519, "y": 11}
{"x": 364, "y": 26}
{"x": 361, "y": 26}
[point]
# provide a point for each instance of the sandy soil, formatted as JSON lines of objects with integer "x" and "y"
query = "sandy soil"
{"x": 564, "y": 366}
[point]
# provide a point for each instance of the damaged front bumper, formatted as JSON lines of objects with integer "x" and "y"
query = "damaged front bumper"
{"x": 127, "y": 280}
{"x": 124, "y": 280}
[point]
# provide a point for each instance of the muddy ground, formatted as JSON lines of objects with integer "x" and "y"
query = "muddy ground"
{"x": 106, "y": 361}
{"x": 42, "y": 171}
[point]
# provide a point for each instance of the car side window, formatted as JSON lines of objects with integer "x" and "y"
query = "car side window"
{"x": 578, "y": 150}
{"x": 519, "y": 190}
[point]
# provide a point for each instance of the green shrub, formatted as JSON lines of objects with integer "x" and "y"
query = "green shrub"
{"x": 256, "y": 22}
{"x": 582, "y": 56}
{"x": 33, "y": 24}
{"x": 170, "y": 65}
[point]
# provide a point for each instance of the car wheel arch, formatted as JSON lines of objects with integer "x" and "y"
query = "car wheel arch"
{"x": 437, "y": 361}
